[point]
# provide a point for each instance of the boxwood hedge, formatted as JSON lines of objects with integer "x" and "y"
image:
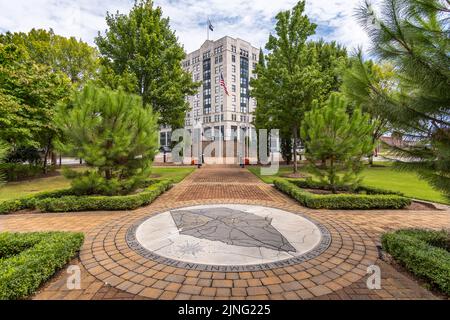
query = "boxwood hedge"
{"x": 65, "y": 201}
{"x": 366, "y": 198}
{"x": 29, "y": 259}
{"x": 424, "y": 253}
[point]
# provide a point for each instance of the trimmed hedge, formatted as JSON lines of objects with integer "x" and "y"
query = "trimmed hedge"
{"x": 29, "y": 202}
{"x": 92, "y": 203}
{"x": 422, "y": 253}
{"x": 27, "y": 260}
{"x": 65, "y": 201}
{"x": 360, "y": 190}
{"x": 370, "y": 200}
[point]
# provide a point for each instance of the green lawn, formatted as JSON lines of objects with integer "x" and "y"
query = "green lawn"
{"x": 19, "y": 189}
{"x": 382, "y": 177}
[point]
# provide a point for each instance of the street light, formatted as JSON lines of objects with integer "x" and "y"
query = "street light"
{"x": 198, "y": 128}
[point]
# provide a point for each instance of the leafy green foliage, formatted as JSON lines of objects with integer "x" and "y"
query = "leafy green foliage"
{"x": 313, "y": 184}
{"x": 29, "y": 94}
{"x": 296, "y": 74}
{"x": 95, "y": 203}
{"x": 3, "y": 151}
{"x": 422, "y": 253}
{"x": 141, "y": 43}
{"x": 75, "y": 58}
{"x": 412, "y": 35}
{"x": 341, "y": 201}
{"x": 287, "y": 85}
{"x": 336, "y": 142}
{"x": 67, "y": 201}
{"x": 358, "y": 82}
{"x": 18, "y": 171}
{"x": 114, "y": 134}
{"x": 29, "y": 202}
{"x": 27, "y": 260}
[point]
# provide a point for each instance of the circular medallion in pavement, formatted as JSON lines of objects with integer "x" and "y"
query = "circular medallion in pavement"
{"x": 228, "y": 238}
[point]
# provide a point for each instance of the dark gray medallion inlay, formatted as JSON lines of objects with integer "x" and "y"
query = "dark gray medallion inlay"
{"x": 232, "y": 227}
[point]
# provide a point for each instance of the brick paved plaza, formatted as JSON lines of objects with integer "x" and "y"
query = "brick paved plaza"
{"x": 112, "y": 270}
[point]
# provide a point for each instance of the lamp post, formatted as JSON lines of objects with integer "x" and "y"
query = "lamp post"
{"x": 198, "y": 133}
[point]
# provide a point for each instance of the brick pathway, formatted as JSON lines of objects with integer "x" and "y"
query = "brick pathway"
{"x": 111, "y": 270}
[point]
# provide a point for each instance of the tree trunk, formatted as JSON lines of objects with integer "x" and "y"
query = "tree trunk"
{"x": 54, "y": 162}
{"x": 295, "y": 149}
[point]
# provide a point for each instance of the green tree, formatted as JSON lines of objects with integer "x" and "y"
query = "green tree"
{"x": 108, "y": 78}
{"x": 3, "y": 153}
{"x": 332, "y": 59}
{"x": 29, "y": 94}
{"x": 143, "y": 43}
{"x": 114, "y": 134}
{"x": 412, "y": 35}
{"x": 289, "y": 83}
{"x": 359, "y": 81}
{"x": 75, "y": 58}
{"x": 335, "y": 142}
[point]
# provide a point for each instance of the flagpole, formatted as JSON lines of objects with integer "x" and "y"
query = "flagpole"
{"x": 207, "y": 29}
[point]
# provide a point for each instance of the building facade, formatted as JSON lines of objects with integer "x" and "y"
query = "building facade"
{"x": 221, "y": 116}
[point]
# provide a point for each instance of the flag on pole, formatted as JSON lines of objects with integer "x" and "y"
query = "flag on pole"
{"x": 223, "y": 84}
{"x": 210, "y": 26}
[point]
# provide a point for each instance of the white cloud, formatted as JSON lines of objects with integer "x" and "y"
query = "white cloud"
{"x": 251, "y": 20}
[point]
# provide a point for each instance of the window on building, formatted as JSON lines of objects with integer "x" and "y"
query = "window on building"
{"x": 233, "y": 88}
{"x": 233, "y": 49}
{"x": 162, "y": 139}
{"x": 233, "y": 78}
{"x": 233, "y": 58}
{"x": 233, "y": 68}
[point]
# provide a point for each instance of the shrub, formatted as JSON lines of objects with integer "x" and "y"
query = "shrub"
{"x": 311, "y": 184}
{"x": 65, "y": 201}
{"x": 18, "y": 171}
{"x": 416, "y": 251}
{"x": 111, "y": 203}
{"x": 29, "y": 202}
{"x": 28, "y": 260}
{"x": 341, "y": 201}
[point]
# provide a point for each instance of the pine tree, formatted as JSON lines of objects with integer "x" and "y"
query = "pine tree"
{"x": 114, "y": 134}
{"x": 143, "y": 44}
{"x": 358, "y": 82}
{"x": 335, "y": 142}
{"x": 413, "y": 36}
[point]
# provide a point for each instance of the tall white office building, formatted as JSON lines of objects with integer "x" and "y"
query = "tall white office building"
{"x": 216, "y": 112}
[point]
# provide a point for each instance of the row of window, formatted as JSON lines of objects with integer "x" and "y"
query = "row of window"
{"x": 218, "y": 50}
{"x": 220, "y": 118}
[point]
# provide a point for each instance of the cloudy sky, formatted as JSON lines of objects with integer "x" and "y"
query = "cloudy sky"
{"x": 252, "y": 20}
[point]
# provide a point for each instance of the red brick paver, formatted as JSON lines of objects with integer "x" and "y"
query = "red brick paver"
{"x": 111, "y": 270}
